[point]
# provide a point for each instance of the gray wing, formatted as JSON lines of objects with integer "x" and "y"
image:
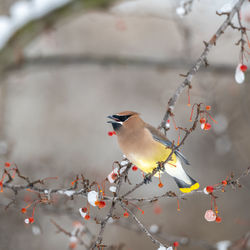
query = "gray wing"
{"x": 158, "y": 136}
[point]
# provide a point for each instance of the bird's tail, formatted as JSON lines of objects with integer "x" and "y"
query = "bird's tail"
{"x": 187, "y": 188}
{"x": 185, "y": 183}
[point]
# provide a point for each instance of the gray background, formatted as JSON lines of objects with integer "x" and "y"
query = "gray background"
{"x": 53, "y": 121}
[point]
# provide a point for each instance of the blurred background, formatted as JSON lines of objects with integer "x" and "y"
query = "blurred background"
{"x": 56, "y": 96}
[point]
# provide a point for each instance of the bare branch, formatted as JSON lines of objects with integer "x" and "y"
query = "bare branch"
{"x": 74, "y": 234}
{"x": 234, "y": 183}
{"x": 60, "y": 229}
{"x": 182, "y": 240}
{"x": 172, "y": 101}
{"x": 111, "y": 210}
{"x": 142, "y": 227}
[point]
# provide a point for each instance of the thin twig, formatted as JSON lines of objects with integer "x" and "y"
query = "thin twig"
{"x": 60, "y": 229}
{"x": 142, "y": 227}
{"x": 182, "y": 240}
{"x": 201, "y": 60}
{"x": 111, "y": 210}
{"x": 75, "y": 234}
{"x": 234, "y": 183}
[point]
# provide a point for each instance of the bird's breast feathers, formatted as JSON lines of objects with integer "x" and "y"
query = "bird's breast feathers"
{"x": 147, "y": 160}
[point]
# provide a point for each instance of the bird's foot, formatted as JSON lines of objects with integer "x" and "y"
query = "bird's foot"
{"x": 147, "y": 179}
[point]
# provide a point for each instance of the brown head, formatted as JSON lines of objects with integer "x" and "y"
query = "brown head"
{"x": 126, "y": 122}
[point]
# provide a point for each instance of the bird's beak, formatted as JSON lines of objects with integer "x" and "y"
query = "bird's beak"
{"x": 113, "y": 118}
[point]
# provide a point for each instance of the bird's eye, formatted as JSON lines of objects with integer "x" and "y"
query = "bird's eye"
{"x": 122, "y": 118}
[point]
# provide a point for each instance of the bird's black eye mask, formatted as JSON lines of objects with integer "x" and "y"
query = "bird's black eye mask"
{"x": 118, "y": 120}
{"x": 121, "y": 118}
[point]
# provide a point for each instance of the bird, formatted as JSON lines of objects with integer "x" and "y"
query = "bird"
{"x": 145, "y": 146}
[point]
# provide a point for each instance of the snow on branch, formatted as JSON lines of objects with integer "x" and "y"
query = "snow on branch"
{"x": 28, "y": 19}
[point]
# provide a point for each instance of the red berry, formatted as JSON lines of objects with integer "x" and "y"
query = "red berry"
{"x": 218, "y": 219}
{"x": 176, "y": 244}
{"x": 202, "y": 120}
{"x": 97, "y": 203}
{"x": 208, "y": 107}
{"x": 210, "y": 189}
{"x": 243, "y": 67}
{"x": 207, "y": 126}
{"x": 31, "y": 220}
{"x": 224, "y": 183}
{"x": 126, "y": 214}
{"x": 23, "y": 210}
{"x": 160, "y": 185}
{"x": 84, "y": 210}
{"x": 113, "y": 176}
{"x": 7, "y": 164}
{"x": 134, "y": 168}
{"x": 102, "y": 204}
{"x": 110, "y": 133}
{"x": 114, "y": 133}
{"x": 87, "y": 217}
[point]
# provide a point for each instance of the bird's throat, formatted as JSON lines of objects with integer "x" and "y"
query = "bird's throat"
{"x": 116, "y": 126}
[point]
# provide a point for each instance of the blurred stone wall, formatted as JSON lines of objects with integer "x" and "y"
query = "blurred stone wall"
{"x": 53, "y": 119}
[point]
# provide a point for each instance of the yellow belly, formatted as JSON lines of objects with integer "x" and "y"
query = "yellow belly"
{"x": 148, "y": 162}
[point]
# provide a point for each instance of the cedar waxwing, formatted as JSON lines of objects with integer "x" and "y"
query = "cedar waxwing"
{"x": 144, "y": 146}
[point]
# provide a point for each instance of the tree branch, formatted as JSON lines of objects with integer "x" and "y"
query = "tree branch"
{"x": 111, "y": 210}
{"x": 201, "y": 60}
{"x": 142, "y": 227}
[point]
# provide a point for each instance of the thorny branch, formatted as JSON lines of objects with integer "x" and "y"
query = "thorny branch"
{"x": 183, "y": 240}
{"x": 121, "y": 199}
{"x": 111, "y": 210}
{"x": 187, "y": 241}
{"x": 232, "y": 182}
{"x": 60, "y": 229}
{"x": 117, "y": 199}
{"x": 201, "y": 60}
{"x": 241, "y": 41}
{"x": 32, "y": 186}
{"x": 75, "y": 234}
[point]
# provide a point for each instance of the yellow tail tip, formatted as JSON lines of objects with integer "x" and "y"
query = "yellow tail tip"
{"x": 191, "y": 188}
